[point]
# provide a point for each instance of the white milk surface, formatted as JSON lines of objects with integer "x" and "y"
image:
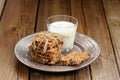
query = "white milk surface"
{"x": 67, "y": 29}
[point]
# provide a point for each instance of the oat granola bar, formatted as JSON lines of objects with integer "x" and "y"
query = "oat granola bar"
{"x": 74, "y": 58}
{"x": 46, "y": 48}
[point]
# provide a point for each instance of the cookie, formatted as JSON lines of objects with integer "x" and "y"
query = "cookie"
{"x": 46, "y": 47}
{"x": 74, "y": 58}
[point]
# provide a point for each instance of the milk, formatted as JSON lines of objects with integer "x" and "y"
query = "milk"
{"x": 67, "y": 29}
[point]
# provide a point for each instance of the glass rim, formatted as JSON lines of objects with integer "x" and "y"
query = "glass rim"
{"x": 62, "y": 16}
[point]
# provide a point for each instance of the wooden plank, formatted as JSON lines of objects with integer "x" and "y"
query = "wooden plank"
{"x": 36, "y": 75}
{"x": 2, "y": 3}
{"x": 17, "y": 21}
{"x": 76, "y": 11}
{"x": 112, "y": 12}
{"x": 104, "y": 68}
{"x": 48, "y": 8}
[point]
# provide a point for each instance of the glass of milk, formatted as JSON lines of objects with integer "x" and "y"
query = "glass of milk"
{"x": 66, "y": 26}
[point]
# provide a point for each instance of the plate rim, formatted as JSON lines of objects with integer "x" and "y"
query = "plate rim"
{"x": 72, "y": 69}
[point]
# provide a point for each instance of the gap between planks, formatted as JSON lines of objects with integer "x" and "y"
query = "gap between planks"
{"x": 2, "y": 7}
{"x": 110, "y": 36}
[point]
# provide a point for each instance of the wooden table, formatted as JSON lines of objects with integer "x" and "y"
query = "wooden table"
{"x": 99, "y": 19}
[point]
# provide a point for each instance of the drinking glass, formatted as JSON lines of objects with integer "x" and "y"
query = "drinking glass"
{"x": 66, "y": 26}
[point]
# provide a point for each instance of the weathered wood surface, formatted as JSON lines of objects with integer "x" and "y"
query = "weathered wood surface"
{"x": 112, "y": 13}
{"x": 18, "y": 20}
{"x": 99, "y": 19}
{"x": 2, "y": 4}
{"x": 105, "y": 68}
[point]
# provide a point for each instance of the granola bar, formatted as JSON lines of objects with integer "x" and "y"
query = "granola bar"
{"x": 74, "y": 58}
{"x": 46, "y": 47}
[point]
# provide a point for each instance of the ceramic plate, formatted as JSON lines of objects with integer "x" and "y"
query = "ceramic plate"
{"x": 82, "y": 43}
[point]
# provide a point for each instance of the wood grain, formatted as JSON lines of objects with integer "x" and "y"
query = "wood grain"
{"x": 48, "y": 8}
{"x": 76, "y": 11}
{"x": 112, "y": 12}
{"x": 2, "y": 3}
{"x": 105, "y": 67}
{"x": 17, "y": 21}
